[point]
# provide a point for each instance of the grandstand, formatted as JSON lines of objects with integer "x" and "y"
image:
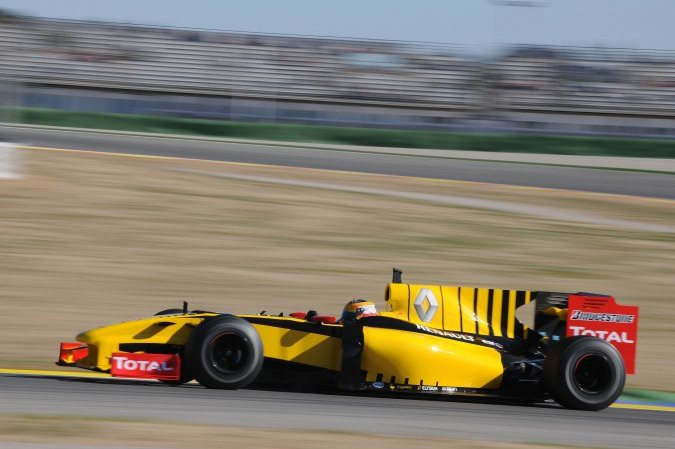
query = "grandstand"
{"x": 95, "y": 66}
{"x": 587, "y": 80}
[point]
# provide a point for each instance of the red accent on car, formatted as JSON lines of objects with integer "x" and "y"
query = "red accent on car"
{"x": 601, "y": 316}
{"x": 299, "y": 315}
{"x": 328, "y": 319}
{"x": 145, "y": 366}
{"x": 71, "y": 352}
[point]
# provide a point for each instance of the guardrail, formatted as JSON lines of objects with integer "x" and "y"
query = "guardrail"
{"x": 11, "y": 166}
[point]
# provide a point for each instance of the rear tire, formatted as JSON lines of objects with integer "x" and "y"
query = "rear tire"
{"x": 584, "y": 373}
{"x": 224, "y": 352}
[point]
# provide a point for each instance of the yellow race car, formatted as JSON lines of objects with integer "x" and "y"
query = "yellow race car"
{"x": 430, "y": 339}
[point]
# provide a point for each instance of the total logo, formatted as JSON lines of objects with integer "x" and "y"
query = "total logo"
{"x": 610, "y": 336}
{"x": 123, "y": 363}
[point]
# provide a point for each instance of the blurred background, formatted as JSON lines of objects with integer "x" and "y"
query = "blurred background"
{"x": 598, "y": 68}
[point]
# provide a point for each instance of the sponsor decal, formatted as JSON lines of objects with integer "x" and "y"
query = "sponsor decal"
{"x": 610, "y": 336}
{"x": 426, "y": 295}
{"x": 580, "y": 315}
{"x": 441, "y": 333}
{"x": 602, "y": 317}
{"x": 146, "y": 366}
{"x": 449, "y": 389}
{"x": 492, "y": 343}
{"x": 377, "y": 385}
{"x": 429, "y": 388}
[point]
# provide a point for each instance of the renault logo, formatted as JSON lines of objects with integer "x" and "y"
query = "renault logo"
{"x": 426, "y": 305}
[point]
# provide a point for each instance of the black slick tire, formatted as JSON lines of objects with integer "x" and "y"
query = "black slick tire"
{"x": 584, "y": 373}
{"x": 224, "y": 352}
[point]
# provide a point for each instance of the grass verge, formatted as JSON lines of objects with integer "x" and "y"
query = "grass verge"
{"x": 521, "y": 143}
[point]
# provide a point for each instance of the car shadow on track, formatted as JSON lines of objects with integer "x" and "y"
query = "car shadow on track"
{"x": 308, "y": 390}
{"x": 456, "y": 398}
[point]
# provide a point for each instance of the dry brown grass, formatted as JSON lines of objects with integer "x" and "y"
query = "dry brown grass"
{"x": 90, "y": 239}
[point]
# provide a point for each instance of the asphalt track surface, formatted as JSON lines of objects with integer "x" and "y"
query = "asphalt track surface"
{"x": 269, "y": 409}
{"x": 646, "y": 184}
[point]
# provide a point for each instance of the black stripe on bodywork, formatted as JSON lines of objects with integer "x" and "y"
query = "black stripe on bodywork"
{"x": 475, "y": 308}
{"x": 459, "y": 306}
{"x": 506, "y": 295}
{"x": 442, "y": 308}
{"x": 409, "y": 299}
{"x": 520, "y": 298}
{"x": 153, "y": 348}
{"x": 304, "y": 326}
{"x": 491, "y": 294}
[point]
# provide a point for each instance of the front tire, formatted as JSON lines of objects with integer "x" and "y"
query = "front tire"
{"x": 584, "y": 373}
{"x": 224, "y": 352}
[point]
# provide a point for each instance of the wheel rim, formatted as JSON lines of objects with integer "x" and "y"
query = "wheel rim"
{"x": 592, "y": 373}
{"x": 228, "y": 352}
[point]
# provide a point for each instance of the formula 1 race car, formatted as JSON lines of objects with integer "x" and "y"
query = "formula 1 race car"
{"x": 519, "y": 345}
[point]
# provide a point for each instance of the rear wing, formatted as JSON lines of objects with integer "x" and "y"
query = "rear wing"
{"x": 560, "y": 315}
{"x": 602, "y": 317}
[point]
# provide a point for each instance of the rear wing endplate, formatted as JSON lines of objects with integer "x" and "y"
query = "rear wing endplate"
{"x": 602, "y": 317}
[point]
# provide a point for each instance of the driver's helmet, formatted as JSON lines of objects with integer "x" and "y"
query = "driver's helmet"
{"x": 356, "y": 308}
